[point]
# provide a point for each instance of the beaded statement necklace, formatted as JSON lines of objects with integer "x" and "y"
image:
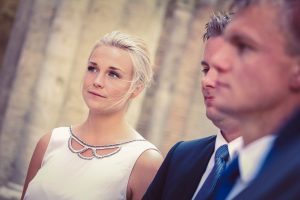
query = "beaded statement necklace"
{"x": 94, "y": 149}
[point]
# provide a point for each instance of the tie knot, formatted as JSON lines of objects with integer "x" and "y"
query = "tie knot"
{"x": 222, "y": 153}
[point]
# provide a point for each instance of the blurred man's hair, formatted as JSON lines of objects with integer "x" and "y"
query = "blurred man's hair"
{"x": 288, "y": 18}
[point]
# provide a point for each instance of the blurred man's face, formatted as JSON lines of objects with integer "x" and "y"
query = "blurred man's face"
{"x": 254, "y": 69}
{"x": 208, "y": 80}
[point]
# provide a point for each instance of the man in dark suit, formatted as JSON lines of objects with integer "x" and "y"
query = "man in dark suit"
{"x": 191, "y": 169}
{"x": 258, "y": 84}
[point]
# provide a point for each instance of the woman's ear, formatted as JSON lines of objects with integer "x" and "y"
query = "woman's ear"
{"x": 138, "y": 89}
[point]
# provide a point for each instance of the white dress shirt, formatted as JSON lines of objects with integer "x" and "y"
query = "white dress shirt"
{"x": 251, "y": 159}
{"x": 233, "y": 148}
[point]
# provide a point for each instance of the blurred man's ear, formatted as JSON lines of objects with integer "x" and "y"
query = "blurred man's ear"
{"x": 295, "y": 80}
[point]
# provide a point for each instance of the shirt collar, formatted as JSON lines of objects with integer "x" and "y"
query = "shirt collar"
{"x": 252, "y": 156}
{"x": 233, "y": 147}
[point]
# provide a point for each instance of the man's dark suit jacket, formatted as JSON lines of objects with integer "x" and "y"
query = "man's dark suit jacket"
{"x": 181, "y": 171}
{"x": 279, "y": 177}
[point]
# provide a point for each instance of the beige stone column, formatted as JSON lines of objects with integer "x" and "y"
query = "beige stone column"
{"x": 13, "y": 48}
{"x": 55, "y": 73}
{"x": 173, "y": 109}
{"x": 156, "y": 107}
{"x": 28, "y": 60}
{"x": 46, "y": 66}
{"x": 8, "y": 10}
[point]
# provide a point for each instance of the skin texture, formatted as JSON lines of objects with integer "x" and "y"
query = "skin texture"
{"x": 255, "y": 73}
{"x": 227, "y": 125}
{"x": 106, "y": 81}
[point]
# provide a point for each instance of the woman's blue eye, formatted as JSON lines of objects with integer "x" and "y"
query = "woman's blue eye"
{"x": 114, "y": 74}
{"x": 92, "y": 69}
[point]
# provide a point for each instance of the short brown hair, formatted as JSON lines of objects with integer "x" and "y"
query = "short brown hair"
{"x": 216, "y": 25}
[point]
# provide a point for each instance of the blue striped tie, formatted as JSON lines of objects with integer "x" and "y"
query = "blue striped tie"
{"x": 228, "y": 180}
{"x": 207, "y": 189}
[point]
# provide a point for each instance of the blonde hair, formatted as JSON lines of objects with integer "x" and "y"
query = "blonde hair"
{"x": 138, "y": 51}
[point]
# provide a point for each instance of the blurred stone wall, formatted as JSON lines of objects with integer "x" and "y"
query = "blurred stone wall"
{"x": 43, "y": 64}
{"x": 7, "y": 15}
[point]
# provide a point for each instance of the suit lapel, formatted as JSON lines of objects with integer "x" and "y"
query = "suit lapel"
{"x": 195, "y": 170}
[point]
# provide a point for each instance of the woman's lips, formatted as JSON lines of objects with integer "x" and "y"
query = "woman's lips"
{"x": 96, "y": 94}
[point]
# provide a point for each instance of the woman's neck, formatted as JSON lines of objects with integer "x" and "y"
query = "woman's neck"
{"x": 102, "y": 129}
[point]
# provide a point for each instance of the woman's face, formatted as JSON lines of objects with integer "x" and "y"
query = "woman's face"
{"x": 108, "y": 78}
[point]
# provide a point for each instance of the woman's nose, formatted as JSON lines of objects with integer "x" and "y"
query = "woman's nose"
{"x": 99, "y": 81}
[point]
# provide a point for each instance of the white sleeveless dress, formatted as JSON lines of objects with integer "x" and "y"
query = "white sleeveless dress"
{"x": 65, "y": 176}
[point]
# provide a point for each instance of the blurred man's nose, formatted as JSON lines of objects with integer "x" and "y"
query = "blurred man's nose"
{"x": 221, "y": 60}
{"x": 209, "y": 79}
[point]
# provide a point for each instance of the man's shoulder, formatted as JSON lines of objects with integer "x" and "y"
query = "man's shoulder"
{"x": 284, "y": 158}
{"x": 192, "y": 148}
{"x": 198, "y": 142}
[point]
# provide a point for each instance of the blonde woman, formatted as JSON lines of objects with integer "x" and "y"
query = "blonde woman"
{"x": 103, "y": 157}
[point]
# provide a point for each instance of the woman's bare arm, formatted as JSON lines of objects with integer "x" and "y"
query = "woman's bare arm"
{"x": 143, "y": 173}
{"x": 36, "y": 160}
